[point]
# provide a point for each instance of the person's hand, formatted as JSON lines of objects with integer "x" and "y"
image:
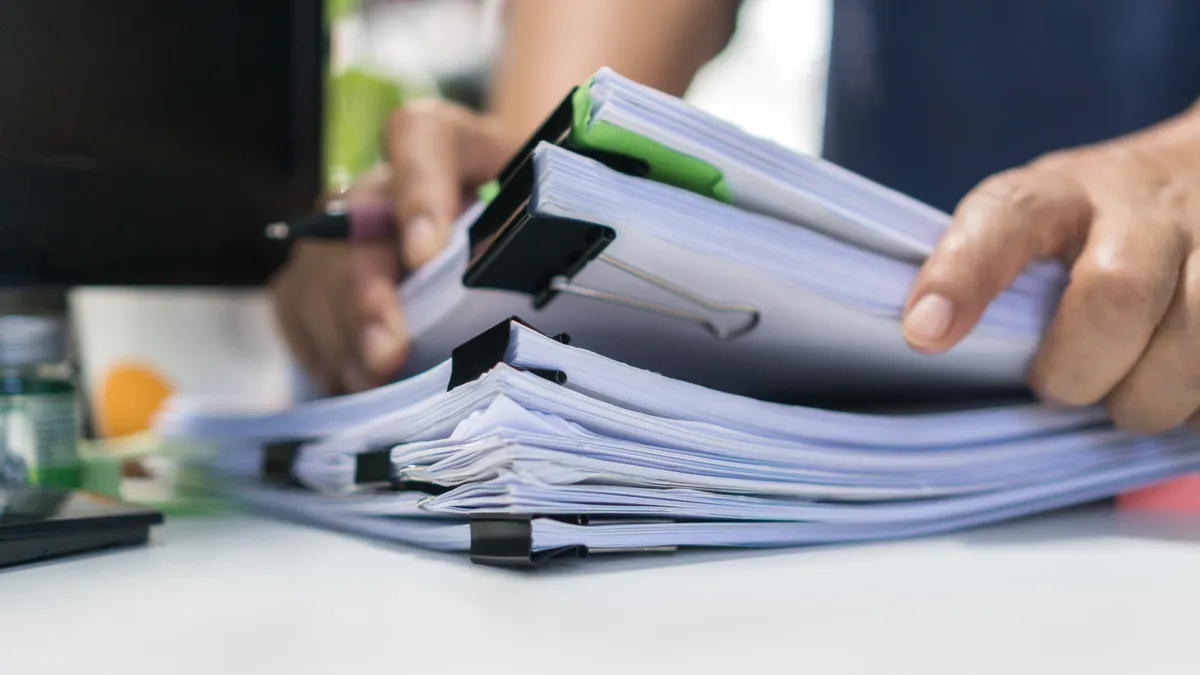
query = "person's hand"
{"x": 336, "y": 303}
{"x": 1125, "y": 216}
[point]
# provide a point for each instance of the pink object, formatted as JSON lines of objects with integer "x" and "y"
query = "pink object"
{"x": 1181, "y": 495}
{"x": 371, "y": 221}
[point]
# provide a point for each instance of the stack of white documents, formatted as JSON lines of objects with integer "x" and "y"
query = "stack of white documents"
{"x": 823, "y": 314}
{"x": 602, "y": 456}
{"x": 691, "y": 313}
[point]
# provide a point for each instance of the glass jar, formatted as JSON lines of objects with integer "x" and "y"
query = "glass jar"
{"x": 39, "y": 410}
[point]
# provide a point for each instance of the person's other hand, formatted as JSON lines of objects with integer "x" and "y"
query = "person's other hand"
{"x": 336, "y": 303}
{"x": 1125, "y": 216}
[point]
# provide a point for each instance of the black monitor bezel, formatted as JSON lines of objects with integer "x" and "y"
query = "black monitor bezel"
{"x": 46, "y": 195}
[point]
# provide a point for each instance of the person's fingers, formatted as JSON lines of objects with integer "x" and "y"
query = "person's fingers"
{"x": 435, "y": 150}
{"x": 1121, "y": 285}
{"x": 350, "y": 372}
{"x": 1163, "y": 389}
{"x": 421, "y": 150}
{"x": 382, "y": 338}
{"x": 325, "y": 285}
{"x": 337, "y": 308}
{"x": 1001, "y": 226}
{"x": 287, "y": 299}
{"x": 321, "y": 318}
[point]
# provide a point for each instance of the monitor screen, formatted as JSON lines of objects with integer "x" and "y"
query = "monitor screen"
{"x": 149, "y": 141}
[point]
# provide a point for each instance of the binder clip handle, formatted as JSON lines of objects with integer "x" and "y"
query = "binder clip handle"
{"x": 705, "y": 319}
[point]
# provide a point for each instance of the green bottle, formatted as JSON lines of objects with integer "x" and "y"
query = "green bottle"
{"x": 39, "y": 413}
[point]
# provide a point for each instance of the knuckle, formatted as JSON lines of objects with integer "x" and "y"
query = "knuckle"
{"x": 1153, "y": 179}
{"x": 1012, "y": 191}
{"x": 1116, "y": 294}
{"x": 1176, "y": 200}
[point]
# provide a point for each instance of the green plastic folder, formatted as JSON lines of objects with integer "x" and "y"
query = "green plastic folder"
{"x": 665, "y": 165}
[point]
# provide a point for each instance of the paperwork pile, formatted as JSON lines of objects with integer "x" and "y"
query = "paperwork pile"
{"x": 700, "y": 273}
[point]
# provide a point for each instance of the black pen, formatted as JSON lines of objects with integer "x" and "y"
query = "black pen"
{"x": 342, "y": 222}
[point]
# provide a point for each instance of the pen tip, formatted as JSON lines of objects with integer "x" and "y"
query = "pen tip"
{"x": 277, "y": 231}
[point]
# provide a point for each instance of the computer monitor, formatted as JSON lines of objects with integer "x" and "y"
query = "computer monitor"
{"x": 148, "y": 142}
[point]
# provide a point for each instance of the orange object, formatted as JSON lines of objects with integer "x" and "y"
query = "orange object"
{"x": 1181, "y": 495}
{"x": 129, "y": 396}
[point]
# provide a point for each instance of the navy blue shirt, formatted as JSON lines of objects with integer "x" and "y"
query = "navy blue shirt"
{"x": 931, "y": 96}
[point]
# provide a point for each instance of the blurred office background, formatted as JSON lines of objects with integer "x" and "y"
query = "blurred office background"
{"x": 140, "y": 346}
{"x": 769, "y": 80}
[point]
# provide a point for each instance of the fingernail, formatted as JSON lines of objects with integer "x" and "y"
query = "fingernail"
{"x": 929, "y": 320}
{"x": 420, "y": 240}
{"x": 380, "y": 347}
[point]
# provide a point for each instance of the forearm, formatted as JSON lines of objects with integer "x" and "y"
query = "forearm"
{"x": 552, "y": 45}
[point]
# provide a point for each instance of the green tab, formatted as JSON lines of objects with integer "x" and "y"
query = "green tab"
{"x": 488, "y": 191}
{"x": 666, "y": 165}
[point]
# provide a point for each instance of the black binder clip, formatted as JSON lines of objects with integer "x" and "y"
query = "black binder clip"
{"x": 539, "y": 256}
{"x": 506, "y": 540}
{"x": 556, "y": 130}
{"x": 502, "y": 540}
{"x": 470, "y": 360}
{"x": 279, "y": 460}
{"x": 373, "y": 472}
{"x": 373, "y": 467}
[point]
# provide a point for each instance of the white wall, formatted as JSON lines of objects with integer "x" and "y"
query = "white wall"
{"x": 771, "y": 78}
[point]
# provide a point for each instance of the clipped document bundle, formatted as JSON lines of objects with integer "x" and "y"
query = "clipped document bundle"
{"x": 704, "y": 278}
{"x": 668, "y": 240}
{"x": 521, "y": 447}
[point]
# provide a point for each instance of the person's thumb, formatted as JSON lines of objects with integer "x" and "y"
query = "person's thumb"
{"x": 382, "y": 337}
{"x": 437, "y": 152}
{"x": 1004, "y": 224}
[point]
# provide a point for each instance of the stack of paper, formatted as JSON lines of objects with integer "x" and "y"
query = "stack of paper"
{"x": 709, "y": 468}
{"x": 827, "y": 312}
{"x": 701, "y": 274}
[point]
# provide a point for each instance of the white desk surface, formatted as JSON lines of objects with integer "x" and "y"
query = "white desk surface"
{"x": 1072, "y": 593}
